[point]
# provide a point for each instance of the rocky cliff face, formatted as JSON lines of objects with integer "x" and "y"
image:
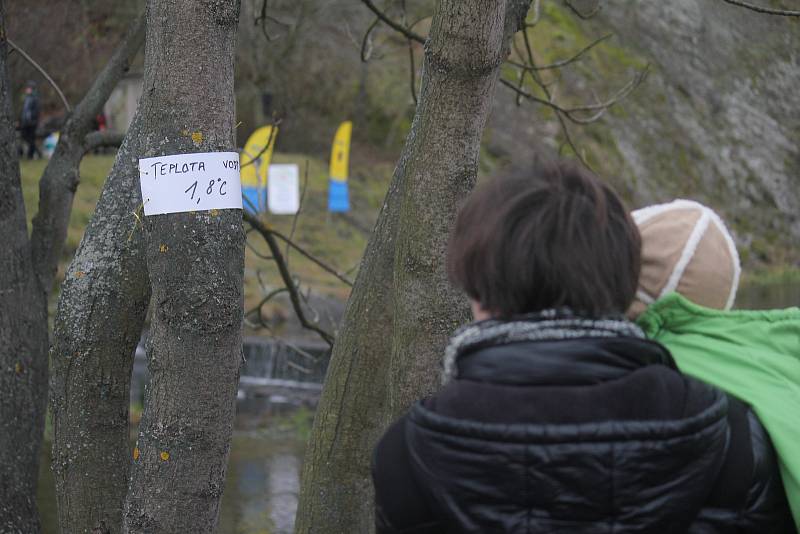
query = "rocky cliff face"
{"x": 717, "y": 120}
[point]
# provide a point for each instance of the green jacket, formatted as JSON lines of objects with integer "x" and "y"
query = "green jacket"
{"x": 753, "y": 355}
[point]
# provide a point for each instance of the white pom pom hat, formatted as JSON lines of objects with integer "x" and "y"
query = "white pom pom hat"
{"x": 686, "y": 248}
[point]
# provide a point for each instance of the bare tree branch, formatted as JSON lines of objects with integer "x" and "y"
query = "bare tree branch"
{"x": 393, "y": 24}
{"x": 294, "y": 297}
{"x": 765, "y": 10}
{"x": 275, "y": 123}
{"x": 366, "y": 42}
{"x": 571, "y": 143}
{"x": 297, "y": 214}
{"x": 562, "y": 62}
{"x": 43, "y": 72}
{"x": 255, "y": 251}
{"x": 102, "y": 139}
{"x": 582, "y": 15}
{"x": 256, "y": 310}
{"x": 532, "y": 61}
{"x": 262, "y": 19}
{"x": 550, "y": 97}
{"x": 537, "y": 14}
{"x": 597, "y": 110}
{"x": 412, "y": 71}
{"x": 289, "y": 242}
{"x": 61, "y": 176}
{"x": 324, "y": 266}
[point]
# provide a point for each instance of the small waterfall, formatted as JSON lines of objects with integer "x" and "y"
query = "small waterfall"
{"x": 283, "y": 360}
{"x": 285, "y": 372}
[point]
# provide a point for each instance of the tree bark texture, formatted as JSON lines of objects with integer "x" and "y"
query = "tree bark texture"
{"x": 402, "y": 309}
{"x": 100, "y": 314}
{"x": 23, "y": 335}
{"x": 336, "y": 489}
{"x": 195, "y": 262}
{"x": 61, "y": 176}
{"x": 99, "y": 320}
{"x": 469, "y": 41}
{"x": 98, "y": 323}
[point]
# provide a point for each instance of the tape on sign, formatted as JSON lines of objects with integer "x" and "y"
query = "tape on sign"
{"x": 190, "y": 182}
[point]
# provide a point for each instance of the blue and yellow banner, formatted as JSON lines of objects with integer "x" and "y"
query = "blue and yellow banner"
{"x": 255, "y": 159}
{"x": 338, "y": 194}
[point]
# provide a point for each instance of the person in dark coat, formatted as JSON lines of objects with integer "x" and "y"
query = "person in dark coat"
{"x": 556, "y": 414}
{"x": 29, "y": 119}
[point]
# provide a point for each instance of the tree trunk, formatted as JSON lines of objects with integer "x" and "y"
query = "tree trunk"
{"x": 336, "y": 490}
{"x": 23, "y": 335}
{"x": 99, "y": 321}
{"x": 402, "y": 309}
{"x": 196, "y": 265}
{"x": 61, "y": 177}
{"x": 100, "y": 315}
{"x": 462, "y": 61}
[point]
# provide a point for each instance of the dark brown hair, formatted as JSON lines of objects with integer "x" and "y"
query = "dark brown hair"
{"x": 559, "y": 237}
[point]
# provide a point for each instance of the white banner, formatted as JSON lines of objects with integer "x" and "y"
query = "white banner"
{"x": 190, "y": 182}
{"x": 283, "y": 189}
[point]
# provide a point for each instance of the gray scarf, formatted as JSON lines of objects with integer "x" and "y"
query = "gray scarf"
{"x": 545, "y": 325}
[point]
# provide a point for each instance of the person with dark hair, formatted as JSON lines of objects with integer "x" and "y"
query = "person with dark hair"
{"x": 29, "y": 119}
{"x": 556, "y": 414}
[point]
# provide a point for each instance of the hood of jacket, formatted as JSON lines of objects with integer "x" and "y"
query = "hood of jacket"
{"x": 573, "y": 435}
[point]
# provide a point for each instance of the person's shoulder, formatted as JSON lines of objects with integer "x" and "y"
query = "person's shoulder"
{"x": 751, "y": 473}
{"x": 391, "y": 445}
{"x": 401, "y": 505}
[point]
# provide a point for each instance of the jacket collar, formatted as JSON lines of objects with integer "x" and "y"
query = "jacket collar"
{"x": 546, "y": 326}
{"x": 561, "y": 361}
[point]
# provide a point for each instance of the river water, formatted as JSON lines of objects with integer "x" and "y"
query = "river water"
{"x": 263, "y": 473}
{"x": 262, "y": 483}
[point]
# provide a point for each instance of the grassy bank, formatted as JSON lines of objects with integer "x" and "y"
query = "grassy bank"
{"x": 337, "y": 239}
{"x": 779, "y": 274}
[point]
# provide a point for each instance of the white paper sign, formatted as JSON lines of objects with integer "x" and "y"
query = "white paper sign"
{"x": 283, "y": 189}
{"x": 190, "y": 182}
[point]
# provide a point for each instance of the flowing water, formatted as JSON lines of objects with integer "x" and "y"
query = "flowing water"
{"x": 262, "y": 484}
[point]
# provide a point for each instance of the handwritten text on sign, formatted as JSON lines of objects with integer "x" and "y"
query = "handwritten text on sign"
{"x": 190, "y": 182}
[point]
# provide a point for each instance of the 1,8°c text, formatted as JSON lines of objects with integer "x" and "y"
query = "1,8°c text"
{"x": 210, "y": 190}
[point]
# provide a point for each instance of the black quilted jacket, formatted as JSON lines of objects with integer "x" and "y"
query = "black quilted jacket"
{"x": 577, "y": 436}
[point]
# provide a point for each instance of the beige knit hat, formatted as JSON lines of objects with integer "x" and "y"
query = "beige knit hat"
{"x": 685, "y": 248}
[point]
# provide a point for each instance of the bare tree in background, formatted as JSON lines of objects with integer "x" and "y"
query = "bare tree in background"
{"x": 23, "y": 335}
{"x": 26, "y": 281}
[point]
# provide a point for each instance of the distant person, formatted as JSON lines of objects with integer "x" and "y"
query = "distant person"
{"x": 689, "y": 279}
{"x": 29, "y": 119}
{"x": 557, "y": 414}
{"x": 99, "y": 124}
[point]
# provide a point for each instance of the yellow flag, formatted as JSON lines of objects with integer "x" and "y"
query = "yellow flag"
{"x": 256, "y": 156}
{"x": 340, "y": 153}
